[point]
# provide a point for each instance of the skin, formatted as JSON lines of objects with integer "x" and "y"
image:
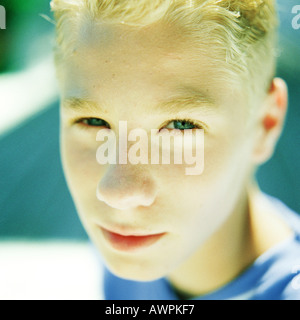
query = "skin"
{"x": 214, "y": 224}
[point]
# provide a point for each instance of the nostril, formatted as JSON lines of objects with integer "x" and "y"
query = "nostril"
{"x": 125, "y": 203}
{"x": 99, "y": 195}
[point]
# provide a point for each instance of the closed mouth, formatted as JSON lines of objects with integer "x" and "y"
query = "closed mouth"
{"x": 130, "y": 242}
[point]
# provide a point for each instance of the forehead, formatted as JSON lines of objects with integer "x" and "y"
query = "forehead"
{"x": 124, "y": 50}
{"x": 149, "y": 61}
{"x": 159, "y": 37}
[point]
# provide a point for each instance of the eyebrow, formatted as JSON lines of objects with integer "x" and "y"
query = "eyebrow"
{"x": 187, "y": 99}
{"x": 78, "y": 104}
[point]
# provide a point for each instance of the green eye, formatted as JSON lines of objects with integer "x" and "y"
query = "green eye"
{"x": 181, "y": 125}
{"x": 94, "y": 122}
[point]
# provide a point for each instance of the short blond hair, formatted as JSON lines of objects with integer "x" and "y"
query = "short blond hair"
{"x": 242, "y": 33}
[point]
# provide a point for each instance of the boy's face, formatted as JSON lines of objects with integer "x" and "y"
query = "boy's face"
{"x": 160, "y": 215}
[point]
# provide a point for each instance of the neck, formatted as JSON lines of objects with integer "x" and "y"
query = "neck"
{"x": 241, "y": 239}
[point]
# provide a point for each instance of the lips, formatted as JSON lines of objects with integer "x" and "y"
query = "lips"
{"x": 130, "y": 242}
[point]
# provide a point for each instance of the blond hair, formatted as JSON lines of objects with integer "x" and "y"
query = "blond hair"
{"x": 242, "y": 33}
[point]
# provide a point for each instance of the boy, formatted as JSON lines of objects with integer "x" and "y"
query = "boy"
{"x": 177, "y": 66}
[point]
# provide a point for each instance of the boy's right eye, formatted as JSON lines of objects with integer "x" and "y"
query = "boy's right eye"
{"x": 93, "y": 122}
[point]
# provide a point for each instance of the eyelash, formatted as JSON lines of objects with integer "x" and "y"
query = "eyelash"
{"x": 193, "y": 123}
{"x": 80, "y": 122}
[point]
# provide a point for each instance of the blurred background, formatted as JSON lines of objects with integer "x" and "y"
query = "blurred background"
{"x": 44, "y": 250}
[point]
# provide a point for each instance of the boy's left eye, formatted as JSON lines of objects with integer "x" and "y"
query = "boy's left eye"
{"x": 181, "y": 125}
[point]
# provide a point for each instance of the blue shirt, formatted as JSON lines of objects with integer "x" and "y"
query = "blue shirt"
{"x": 275, "y": 275}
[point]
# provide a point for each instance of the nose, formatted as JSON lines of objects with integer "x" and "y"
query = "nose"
{"x": 122, "y": 188}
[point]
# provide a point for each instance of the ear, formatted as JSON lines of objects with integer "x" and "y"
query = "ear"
{"x": 271, "y": 121}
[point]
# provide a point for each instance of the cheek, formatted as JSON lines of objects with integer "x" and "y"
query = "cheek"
{"x": 229, "y": 147}
{"x": 227, "y": 166}
{"x": 226, "y": 163}
{"x": 80, "y": 165}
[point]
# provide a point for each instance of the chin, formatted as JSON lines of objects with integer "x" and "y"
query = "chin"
{"x": 136, "y": 272}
